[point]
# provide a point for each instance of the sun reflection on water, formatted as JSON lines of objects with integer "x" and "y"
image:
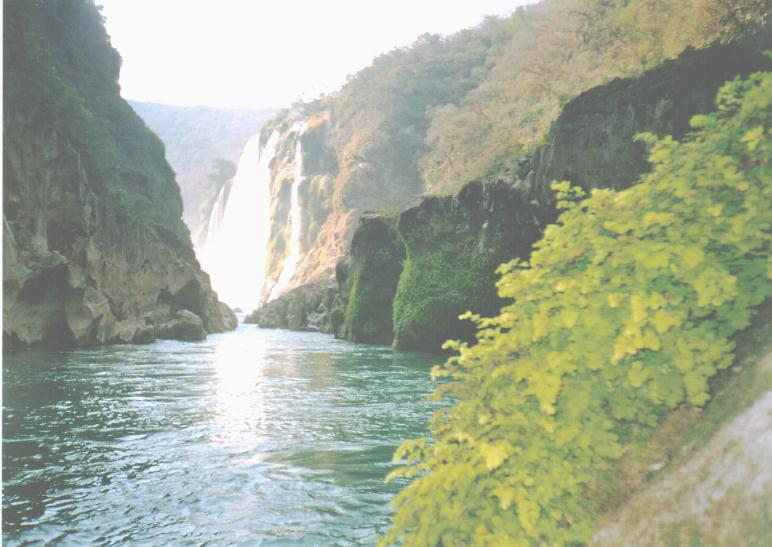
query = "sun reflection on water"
{"x": 239, "y": 368}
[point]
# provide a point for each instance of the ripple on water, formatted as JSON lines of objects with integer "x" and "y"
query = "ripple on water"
{"x": 252, "y": 436}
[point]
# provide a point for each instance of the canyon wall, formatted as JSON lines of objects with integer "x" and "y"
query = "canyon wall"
{"x": 94, "y": 249}
{"x": 447, "y": 248}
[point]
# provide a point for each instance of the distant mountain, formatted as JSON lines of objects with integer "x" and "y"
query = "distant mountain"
{"x": 198, "y": 139}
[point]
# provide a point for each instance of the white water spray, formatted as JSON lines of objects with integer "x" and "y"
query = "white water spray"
{"x": 235, "y": 250}
{"x": 296, "y": 219}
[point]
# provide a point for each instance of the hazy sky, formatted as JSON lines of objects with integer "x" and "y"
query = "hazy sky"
{"x": 258, "y": 53}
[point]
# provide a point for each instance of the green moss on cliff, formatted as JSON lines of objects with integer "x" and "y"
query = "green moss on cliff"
{"x": 439, "y": 282}
{"x": 453, "y": 245}
{"x": 369, "y": 310}
{"x": 87, "y": 191}
{"x": 375, "y": 266}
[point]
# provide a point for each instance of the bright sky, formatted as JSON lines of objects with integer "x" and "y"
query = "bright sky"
{"x": 258, "y": 53}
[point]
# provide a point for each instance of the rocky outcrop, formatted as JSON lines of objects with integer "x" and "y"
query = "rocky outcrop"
{"x": 229, "y": 319}
{"x": 94, "y": 250}
{"x": 367, "y": 281}
{"x": 305, "y": 308}
{"x": 324, "y": 228}
{"x": 184, "y": 326}
{"x": 453, "y": 245}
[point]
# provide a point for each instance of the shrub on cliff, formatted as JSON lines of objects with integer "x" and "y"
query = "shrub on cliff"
{"x": 624, "y": 312}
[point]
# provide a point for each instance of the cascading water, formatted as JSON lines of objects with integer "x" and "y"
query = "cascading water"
{"x": 296, "y": 219}
{"x": 215, "y": 218}
{"x": 234, "y": 253}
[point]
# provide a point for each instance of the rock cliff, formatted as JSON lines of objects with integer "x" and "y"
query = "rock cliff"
{"x": 307, "y": 308}
{"x": 453, "y": 244}
{"x": 592, "y": 143}
{"x": 305, "y": 150}
{"x": 94, "y": 250}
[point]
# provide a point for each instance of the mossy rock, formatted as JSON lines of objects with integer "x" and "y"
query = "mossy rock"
{"x": 435, "y": 288}
{"x": 376, "y": 264}
{"x": 453, "y": 246}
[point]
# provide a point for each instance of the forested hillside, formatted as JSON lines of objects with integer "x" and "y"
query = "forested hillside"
{"x": 455, "y": 104}
{"x": 561, "y": 48}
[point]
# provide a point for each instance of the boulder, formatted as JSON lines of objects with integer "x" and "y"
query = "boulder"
{"x": 305, "y": 308}
{"x": 186, "y": 325}
{"x": 229, "y": 319}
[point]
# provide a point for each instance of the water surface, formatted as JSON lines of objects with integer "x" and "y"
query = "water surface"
{"x": 249, "y": 437}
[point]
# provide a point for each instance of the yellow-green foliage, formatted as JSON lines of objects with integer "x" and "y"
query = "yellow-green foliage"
{"x": 625, "y": 311}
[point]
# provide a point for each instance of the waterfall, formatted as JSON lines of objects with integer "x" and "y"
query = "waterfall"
{"x": 235, "y": 250}
{"x": 296, "y": 219}
{"x": 215, "y": 217}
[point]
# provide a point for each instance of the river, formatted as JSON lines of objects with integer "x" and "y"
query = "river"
{"x": 249, "y": 437}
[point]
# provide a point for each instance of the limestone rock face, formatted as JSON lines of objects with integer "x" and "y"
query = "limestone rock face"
{"x": 325, "y": 227}
{"x": 592, "y": 143}
{"x": 439, "y": 259}
{"x": 186, "y": 325}
{"x": 454, "y": 243}
{"x": 94, "y": 250}
{"x": 229, "y": 319}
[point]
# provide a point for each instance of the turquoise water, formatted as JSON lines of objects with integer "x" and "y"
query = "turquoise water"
{"x": 249, "y": 437}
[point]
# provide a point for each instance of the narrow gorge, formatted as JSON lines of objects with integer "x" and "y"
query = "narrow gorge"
{"x": 505, "y": 283}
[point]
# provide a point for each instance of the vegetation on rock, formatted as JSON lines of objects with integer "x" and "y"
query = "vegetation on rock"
{"x": 453, "y": 245}
{"x": 376, "y": 264}
{"x": 94, "y": 250}
{"x": 62, "y": 72}
{"x": 560, "y": 49}
{"x": 445, "y": 110}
